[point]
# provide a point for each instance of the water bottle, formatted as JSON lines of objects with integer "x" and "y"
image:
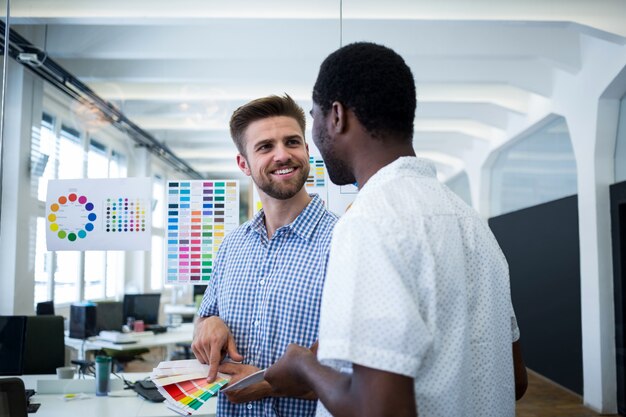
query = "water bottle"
{"x": 103, "y": 375}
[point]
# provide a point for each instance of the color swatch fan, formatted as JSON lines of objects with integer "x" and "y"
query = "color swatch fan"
{"x": 184, "y": 385}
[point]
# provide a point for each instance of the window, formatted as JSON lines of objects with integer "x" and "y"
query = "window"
{"x": 535, "y": 169}
{"x": 59, "y": 151}
{"x": 459, "y": 184}
{"x": 97, "y": 160}
{"x": 156, "y": 267}
{"x": 95, "y": 274}
{"x": 117, "y": 165}
{"x": 156, "y": 258}
{"x": 70, "y": 154}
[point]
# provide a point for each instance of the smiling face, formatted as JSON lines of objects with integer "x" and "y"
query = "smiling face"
{"x": 277, "y": 157}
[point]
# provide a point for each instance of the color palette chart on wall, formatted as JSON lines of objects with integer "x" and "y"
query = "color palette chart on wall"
{"x": 200, "y": 213}
{"x": 125, "y": 215}
{"x": 98, "y": 214}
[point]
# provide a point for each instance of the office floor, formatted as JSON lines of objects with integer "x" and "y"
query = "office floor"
{"x": 546, "y": 399}
{"x": 543, "y": 398}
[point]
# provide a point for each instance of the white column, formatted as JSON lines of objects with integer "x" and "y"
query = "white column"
{"x": 590, "y": 103}
{"x": 24, "y": 94}
{"x": 595, "y": 174}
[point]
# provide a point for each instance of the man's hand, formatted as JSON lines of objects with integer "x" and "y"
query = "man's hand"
{"x": 212, "y": 340}
{"x": 286, "y": 376}
{"x": 254, "y": 392}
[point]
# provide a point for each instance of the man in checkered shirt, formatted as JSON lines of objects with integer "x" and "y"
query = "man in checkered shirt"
{"x": 269, "y": 273}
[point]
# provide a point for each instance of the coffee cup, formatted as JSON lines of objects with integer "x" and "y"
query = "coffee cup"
{"x": 139, "y": 326}
{"x": 66, "y": 372}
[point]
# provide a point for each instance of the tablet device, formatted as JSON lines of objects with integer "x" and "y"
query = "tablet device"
{"x": 251, "y": 379}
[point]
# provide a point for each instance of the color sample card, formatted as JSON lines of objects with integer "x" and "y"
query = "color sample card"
{"x": 187, "y": 397}
{"x": 99, "y": 214}
{"x": 200, "y": 213}
{"x": 317, "y": 173}
{"x": 184, "y": 386}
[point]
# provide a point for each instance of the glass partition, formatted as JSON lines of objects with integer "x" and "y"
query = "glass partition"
{"x": 115, "y": 75}
{"x": 461, "y": 187}
{"x": 535, "y": 169}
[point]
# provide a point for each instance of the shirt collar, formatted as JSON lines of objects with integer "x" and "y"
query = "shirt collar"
{"x": 403, "y": 166}
{"x": 303, "y": 225}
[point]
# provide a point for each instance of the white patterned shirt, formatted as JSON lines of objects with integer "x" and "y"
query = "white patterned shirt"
{"x": 268, "y": 292}
{"x": 418, "y": 286}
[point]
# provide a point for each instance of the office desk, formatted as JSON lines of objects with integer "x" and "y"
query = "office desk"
{"x": 180, "y": 334}
{"x": 176, "y": 313}
{"x": 118, "y": 404}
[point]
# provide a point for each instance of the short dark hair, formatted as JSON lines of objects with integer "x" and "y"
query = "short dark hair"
{"x": 259, "y": 109}
{"x": 375, "y": 83}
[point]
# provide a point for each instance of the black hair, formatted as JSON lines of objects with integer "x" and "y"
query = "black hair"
{"x": 375, "y": 83}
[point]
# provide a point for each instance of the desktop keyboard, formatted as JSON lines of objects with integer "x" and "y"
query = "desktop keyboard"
{"x": 156, "y": 328}
{"x": 117, "y": 337}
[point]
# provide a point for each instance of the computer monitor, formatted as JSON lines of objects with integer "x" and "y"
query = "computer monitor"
{"x": 142, "y": 307}
{"x": 45, "y": 308}
{"x": 199, "y": 290}
{"x": 12, "y": 336}
{"x": 109, "y": 315}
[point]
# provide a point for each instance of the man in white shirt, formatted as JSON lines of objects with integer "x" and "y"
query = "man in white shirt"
{"x": 416, "y": 311}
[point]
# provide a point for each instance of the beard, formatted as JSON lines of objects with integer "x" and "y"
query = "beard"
{"x": 338, "y": 170}
{"x": 283, "y": 190}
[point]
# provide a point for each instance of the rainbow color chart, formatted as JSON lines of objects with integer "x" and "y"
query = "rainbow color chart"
{"x": 200, "y": 214}
{"x": 71, "y": 217}
{"x": 189, "y": 396}
{"x": 184, "y": 386}
{"x": 98, "y": 214}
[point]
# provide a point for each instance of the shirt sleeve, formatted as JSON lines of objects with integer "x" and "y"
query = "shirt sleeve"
{"x": 515, "y": 334}
{"x": 210, "y": 306}
{"x": 369, "y": 314}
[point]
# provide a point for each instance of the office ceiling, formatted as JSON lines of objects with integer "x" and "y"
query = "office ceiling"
{"x": 179, "y": 68}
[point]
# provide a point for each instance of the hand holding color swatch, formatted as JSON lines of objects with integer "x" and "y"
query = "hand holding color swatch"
{"x": 184, "y": 385}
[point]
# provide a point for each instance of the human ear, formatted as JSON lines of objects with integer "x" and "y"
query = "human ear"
{"x": 242, "y": 163}
{"x": 338, "y": 117}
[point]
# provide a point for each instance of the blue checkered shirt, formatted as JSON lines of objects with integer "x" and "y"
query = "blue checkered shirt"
{"x": 268, "y": 292}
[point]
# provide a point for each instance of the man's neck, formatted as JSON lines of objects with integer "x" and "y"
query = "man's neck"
{"x": 281, "y": 212}
{"x": 377, "y": 155}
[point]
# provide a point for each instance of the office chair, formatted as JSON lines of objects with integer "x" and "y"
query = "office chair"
{"x": 13, "y": 397}
{"x": 44, "y": 348}
{"x": 45, "y": 308}
{"x": 123, "y": 357}
{"x": 183, "y": 351}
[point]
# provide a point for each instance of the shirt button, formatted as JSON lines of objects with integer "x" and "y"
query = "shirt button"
{"x": 249, "y": 406}
{"x": 256, "y": 323}
{"x": 262, "y": 282}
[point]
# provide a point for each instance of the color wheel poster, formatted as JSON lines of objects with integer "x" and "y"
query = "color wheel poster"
{"x": 99, "y": 214}
{"x": 200, "y": 213}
